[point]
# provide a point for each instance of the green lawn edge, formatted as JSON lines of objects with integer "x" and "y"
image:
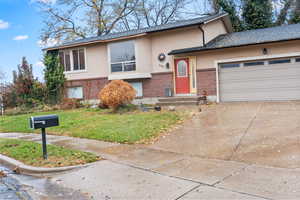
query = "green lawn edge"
{"x": 129, "y": 128}
{"x": 30, "y": 153}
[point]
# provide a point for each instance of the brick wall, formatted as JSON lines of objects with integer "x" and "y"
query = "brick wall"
{"x": 91, "y": 87}
{"x": 155, "y": 87}
{"x": 206, "y": 81}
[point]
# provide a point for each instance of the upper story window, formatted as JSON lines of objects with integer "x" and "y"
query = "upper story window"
{"x": 73, "y": 60}
{"x": 122, "y": 56}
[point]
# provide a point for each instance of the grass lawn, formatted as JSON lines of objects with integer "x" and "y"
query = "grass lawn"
{"x": 30, "y": 153}
{"x": 97, "y": 124}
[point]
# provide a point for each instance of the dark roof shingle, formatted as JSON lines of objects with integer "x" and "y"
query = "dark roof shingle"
{"x": 258, "y": 36}
{"x": 173, "y": 25}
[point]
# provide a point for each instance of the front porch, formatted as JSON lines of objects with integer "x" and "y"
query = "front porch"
{"x": 181, "y": 101}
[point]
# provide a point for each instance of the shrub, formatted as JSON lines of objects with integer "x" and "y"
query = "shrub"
{"x": 68, "y": 103}
{"x": 117, "y": 93}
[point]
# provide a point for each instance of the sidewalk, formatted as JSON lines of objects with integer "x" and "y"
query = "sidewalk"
{"x": 139, "y": 172}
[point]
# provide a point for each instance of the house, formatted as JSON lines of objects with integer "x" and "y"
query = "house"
{"x": 194, "y": 57}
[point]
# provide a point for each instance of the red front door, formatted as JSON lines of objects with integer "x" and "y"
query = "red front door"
{"x": 182, "y": 79}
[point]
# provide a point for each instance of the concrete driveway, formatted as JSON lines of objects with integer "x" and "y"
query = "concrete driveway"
{"x": 263, "y": 133}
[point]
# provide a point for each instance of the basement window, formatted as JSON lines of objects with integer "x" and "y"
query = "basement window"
{"x": 75, "y": 92}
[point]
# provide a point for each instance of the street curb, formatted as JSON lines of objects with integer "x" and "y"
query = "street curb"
{"x": 26, "y": 169}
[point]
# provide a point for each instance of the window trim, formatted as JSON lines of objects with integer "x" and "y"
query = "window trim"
{"x": 124, "y": 62}
{"x": 72, "y": 71}
{"x": 78, "y": 86}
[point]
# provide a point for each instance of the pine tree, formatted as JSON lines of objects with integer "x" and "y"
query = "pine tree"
{"x": 54, "y": 77}
{"x": 229, "y": 6}
{"x": 257, "y": 14}
{"x": 23, "y": 83}
{"x": 295, "y": 16}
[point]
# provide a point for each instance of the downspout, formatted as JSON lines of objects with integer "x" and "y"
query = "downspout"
{"x": 203, "y": 35}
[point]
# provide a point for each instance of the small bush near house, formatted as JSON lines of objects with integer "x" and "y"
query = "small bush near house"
{"x": 117, "y": 93}
{"x": 69, "y": 103}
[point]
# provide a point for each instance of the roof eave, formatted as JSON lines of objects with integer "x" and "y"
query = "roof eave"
{"x": 219, "y": 48}
{"x": 132, "y": 36}
{"x": 92, "y": 42}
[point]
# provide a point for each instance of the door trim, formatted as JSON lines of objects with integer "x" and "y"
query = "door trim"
{"x": 192, "y": 71}
{"x": 217, "y": 62}
{"x": 187, "y": 75}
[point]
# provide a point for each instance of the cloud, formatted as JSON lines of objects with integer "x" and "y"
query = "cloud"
{"x": 49, "y": 43}
{"x": 3, "y": 24}
{"x": 21, "y": 37}
{"x": 39, "y": 64}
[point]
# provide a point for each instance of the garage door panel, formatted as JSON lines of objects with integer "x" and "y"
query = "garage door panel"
{"x": 259, "y": 74}
{"x": 265, "y": 82}
{"x": 274, "y": 78}
{"x": 257, "y": 84}
{"x": 281, "y": 94}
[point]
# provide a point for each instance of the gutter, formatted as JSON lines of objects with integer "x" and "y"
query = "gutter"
{"x": 93, "y": 42}
{"x": 183, "y": 51}
{"x": 203, "y": 35}
{"x": 134, "y": 35}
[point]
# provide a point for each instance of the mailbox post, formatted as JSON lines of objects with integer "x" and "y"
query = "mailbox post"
{"x": 43, "y": 122}
{"x": 44, "y": 141}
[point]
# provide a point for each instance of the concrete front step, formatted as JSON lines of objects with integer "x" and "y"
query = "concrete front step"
{"x": 178, "y": 103}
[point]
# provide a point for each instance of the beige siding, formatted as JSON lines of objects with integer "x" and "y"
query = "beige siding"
{"x": 147, "y": 50}
{"x": 96, "y": 64}
{"x": 170, "y": 40}
{"x": 213, "y": 29}
{"x": 143, "y": 51}
{"x": 207, "y": 59}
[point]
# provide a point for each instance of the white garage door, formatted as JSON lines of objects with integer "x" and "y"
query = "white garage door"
{"x": 277, "y": 79}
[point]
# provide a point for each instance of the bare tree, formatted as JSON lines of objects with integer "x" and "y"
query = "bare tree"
{"x": 149, "y": 13}
{"x": 73, "y": 19}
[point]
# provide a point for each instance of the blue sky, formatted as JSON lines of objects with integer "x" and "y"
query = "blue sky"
{"x": 20, "y": 26}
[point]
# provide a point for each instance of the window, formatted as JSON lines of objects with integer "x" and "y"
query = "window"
{"x": 61, "y": 58}
{"x": 77, "y": 62}
{"x": 138, "y": 86}
{"x": 78, "y": 59}
{"x": 64, "y": 58}
{"x": 122, "y": 56}
{"x": 67, "y": 61}
{"x": 271, "y": 62}
{"x": 248, "y": 64}
{"x": 297, "y": 59}
{"x": 75, "y": 92}
{"x": 182, "y": 68}
{"x": 230, "y": 65}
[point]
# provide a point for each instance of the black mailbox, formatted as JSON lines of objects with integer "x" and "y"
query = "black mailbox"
{"x": 44, "y": 121}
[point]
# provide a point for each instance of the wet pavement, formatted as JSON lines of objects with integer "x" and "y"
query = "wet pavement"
{"x": 262, "y": 133}
{"x": 228, "y": 151}
{"x": 11, "y": 188}
{"x": 23, "y": 187}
